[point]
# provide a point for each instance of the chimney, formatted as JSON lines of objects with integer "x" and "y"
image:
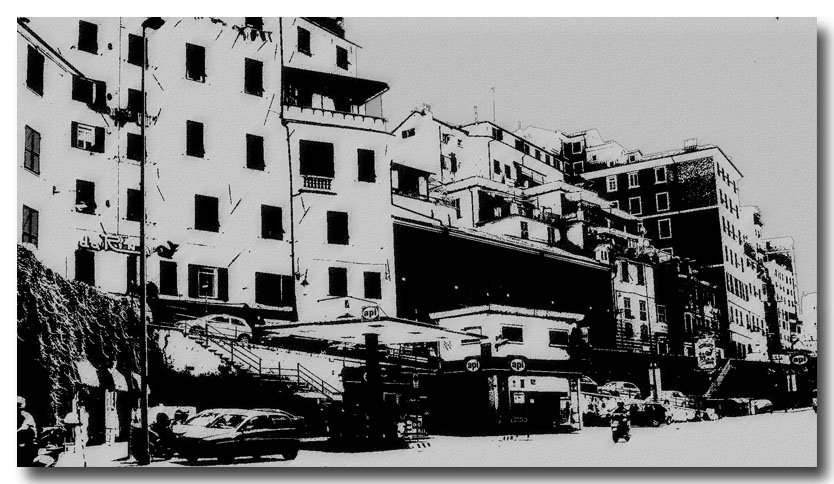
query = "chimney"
{"x": 690, "y": 144}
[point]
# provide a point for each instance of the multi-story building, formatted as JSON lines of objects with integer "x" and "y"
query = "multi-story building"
{"x": 262, "y": 162}
{"x": 784, "y": 325}
{"x": 808, "y": 315}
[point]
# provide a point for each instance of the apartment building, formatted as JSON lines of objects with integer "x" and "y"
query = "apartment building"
{"x": 784, "y": 324}
{"x": 262, "y": 162}
{"x": 688, "y": 201}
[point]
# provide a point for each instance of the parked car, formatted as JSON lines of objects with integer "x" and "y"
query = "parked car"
{"x": 621, "y": 389}
{"x": 225, "y": 433}
{"x": 762, "y": 405}
{"x": 221, "y": 325}
{"x": 647, "y": 414}
{"x": 587, "y": 385}
{"x": 674, "y": 397}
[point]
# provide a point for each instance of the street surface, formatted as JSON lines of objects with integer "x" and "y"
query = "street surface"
{"x": 773, "y": 440}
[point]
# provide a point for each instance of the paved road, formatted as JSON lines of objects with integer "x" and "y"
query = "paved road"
{"x": 780, "y": 439}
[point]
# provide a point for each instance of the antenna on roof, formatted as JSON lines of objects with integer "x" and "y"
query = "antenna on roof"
{"x": 493, "y": 104}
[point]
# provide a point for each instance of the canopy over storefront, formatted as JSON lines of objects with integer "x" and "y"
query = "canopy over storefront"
{"x": 390, "y": 331}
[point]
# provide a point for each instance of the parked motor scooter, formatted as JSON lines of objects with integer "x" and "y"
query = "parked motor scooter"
{"x": 620, "y": 428}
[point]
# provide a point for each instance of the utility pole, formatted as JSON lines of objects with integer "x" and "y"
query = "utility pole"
{"x": 493, "y": 104}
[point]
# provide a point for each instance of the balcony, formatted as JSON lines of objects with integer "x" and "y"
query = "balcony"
{"x": 333, "y": 118}
{"x": 317, "y": 183}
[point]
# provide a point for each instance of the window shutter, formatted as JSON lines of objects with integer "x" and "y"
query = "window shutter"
{"x": 192, "y": 280}
{"x": 33, "y": 225}
{"x": 223, "y": 284}
{"x": 99, "y": 148}
{"x": 74, "y": 134}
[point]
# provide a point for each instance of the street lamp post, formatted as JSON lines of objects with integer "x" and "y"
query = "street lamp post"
{"x": 143, "y": 457}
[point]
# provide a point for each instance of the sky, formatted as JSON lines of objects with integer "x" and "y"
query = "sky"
{"x": 746, "y": 85}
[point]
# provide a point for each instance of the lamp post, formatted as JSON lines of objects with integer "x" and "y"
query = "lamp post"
{"x": 143, "y": 456}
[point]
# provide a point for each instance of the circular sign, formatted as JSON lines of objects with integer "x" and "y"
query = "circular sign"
{"x": 472, "y": 364}
{"x": 799, "y": 359}
{"x": 370, "y": 313}
{"x": 518, "y": 365}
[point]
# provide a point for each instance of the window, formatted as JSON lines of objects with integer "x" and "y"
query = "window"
{"x": 134, "y": 205}
{"x": 519, "y": 145}
{"x": 633, "y": 180}
{"x": 577, "y": 147}
{"x": 206, "y": 214}
{"x": 132, "y": 279}
{"x": 135, "y": 104}
{"x": 660, "y": 174}
{"x": 255, "y": 152}
{"x": 453, "y": 163}
{"x": 304, "y": 41}
{"x": 195, "y": 62}
{"x": 634, "y": 207}
{"x": 208, "y": 282}
{"x": 272, "y": 225}
{"x": 512, "y": 334}
{"x": 408, "y": 133}
{"x": 135, "y": 50}
{"x": 629, "y": 331}
{"x": 661, "y": 313}
{"x": 611, "y": 183}
{"x": 85, "y": 197}
{"x": 551, "y": 236}
{"x": 538, "y": 155}
{"x": 86, "y": 137}
{"x": 615, "y": 204}
{"x": 32, "y": 150}
{"x": 88, "y": 37}
{"x": 641, "y": 274}
{"x": 85, "y": 266}
{"x": 337, "y": 277}
{"x": 497, "y": 134}
{"x": 644, "y": 333}
{"x": 662, "y": 200}
{"x": 496, "y": 167}
{"x": 29, "y": 234}
{"x": 134, "y": 147}
{"x": 624, "y": 271}
{"x": 456, "y": 205}
{"x": 664, "y": 228}
{"x": 366, "y": 165}
{"x": 525, "y": 230}
{"x": 168, "y": 278}
{"x": 644, "y": 313}
{"x": 253, "y": 82}
{"x": 90, "y": 92}
{"x": 373, "y": 285}
{"x": 341, "y": 57}
{"x": 34, "y": 70}
{"x": 508, "y": 173}
{"x": 337, "y": 228}
{"x": 316, "y": 158}
{"x": 627, "y": 308}
{"x": 274, "y": 289}
{"x": 557, "y": 337}
{"x": 194, "y": 145}
{"x": 256, "y": 23}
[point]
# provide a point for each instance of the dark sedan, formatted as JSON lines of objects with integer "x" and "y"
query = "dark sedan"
{"x": 228, "y": 433}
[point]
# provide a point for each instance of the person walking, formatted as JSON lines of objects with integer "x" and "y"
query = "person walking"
{"x": 27, "y": 435}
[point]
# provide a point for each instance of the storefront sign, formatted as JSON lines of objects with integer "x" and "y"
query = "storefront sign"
{"x": 705, "y": 353}
{"x": 780, "y": 358}
{"x": 109, "y": 242}
{"x": 799, "y": 359}
{"x": 370, "y": 313}
{"x": 518, "y": 365}
{"x": 472, "y": 365}
{"x": 518, "y": 397}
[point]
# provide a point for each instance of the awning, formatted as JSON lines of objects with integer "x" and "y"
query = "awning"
{"x": 391, "y": 331}
{"x": 87, "y": 373}
{"x": 357, "y": 89}
{"x": 119, "y": 381}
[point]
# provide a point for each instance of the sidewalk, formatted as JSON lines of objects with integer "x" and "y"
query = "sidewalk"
{"x": 97, "y": 456}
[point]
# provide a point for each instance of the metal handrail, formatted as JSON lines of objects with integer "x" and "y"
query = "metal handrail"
{"x": 243, "y": 355}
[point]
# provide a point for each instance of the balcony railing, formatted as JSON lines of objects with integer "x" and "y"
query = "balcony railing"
{"x": 317, "y": 182}
{"x": 336, "y": 118}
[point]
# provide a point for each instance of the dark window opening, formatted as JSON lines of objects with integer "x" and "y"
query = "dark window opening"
{"x": 88, "y": 37}
{"x": 641, "y": 276}
{"x": 408, "y": 133}
{"x": 168, "y": 278}
{"x": 253, "y": 77}
{"x": 514, "y": 334}
{"x": 525, "y": 230}
{"x": 132, "y": 280}
{"x": 134, "y": 205}
{"x": 507, "y": 171}
{"x": 373, "y": 285}
{"x": 629, "y": 331}
{"x": 624, "y": 271}
{"x": 32, "y": 150}
{"x": 366, "y": 165}
{"x": 304, "y": 41}
{"x": 93, "y": 93}
{"x": 205, "y": 213}
{"x": 272, "y": 225}
{"x": 195, "y": 62}
{"x": 255, "y": 152}
{"x": 134, "y": 147}
{"x": 551, "y": 236}
{"x": 34, "y": 70}
{"x": 644, "y": 333}
{"x": 85, "y": 266}
{"x": 135, "y": 104}
{"x": 208, "y": 282}
{"x": 256, "y": 23}
{"x": 497, "y": 134}
{"x": 274, "y": 289}
{"x": 194, "y": 145}
{"x": 86, "y": 137}
{"x": 342, "y": 57}
{"x": 496, "y": 167}
{"x": 135, "y": 50}
{"x": 342, "y": 104}
{"x": 30, "y": 228}
{"x": 316, "y": 158}
{"x": 85, "y": 197}
{"x": 337, "y": 228}
{"x": 453, "y": 163}
{"x": 558, "y": 338}
{"x": 337, "y": 279}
